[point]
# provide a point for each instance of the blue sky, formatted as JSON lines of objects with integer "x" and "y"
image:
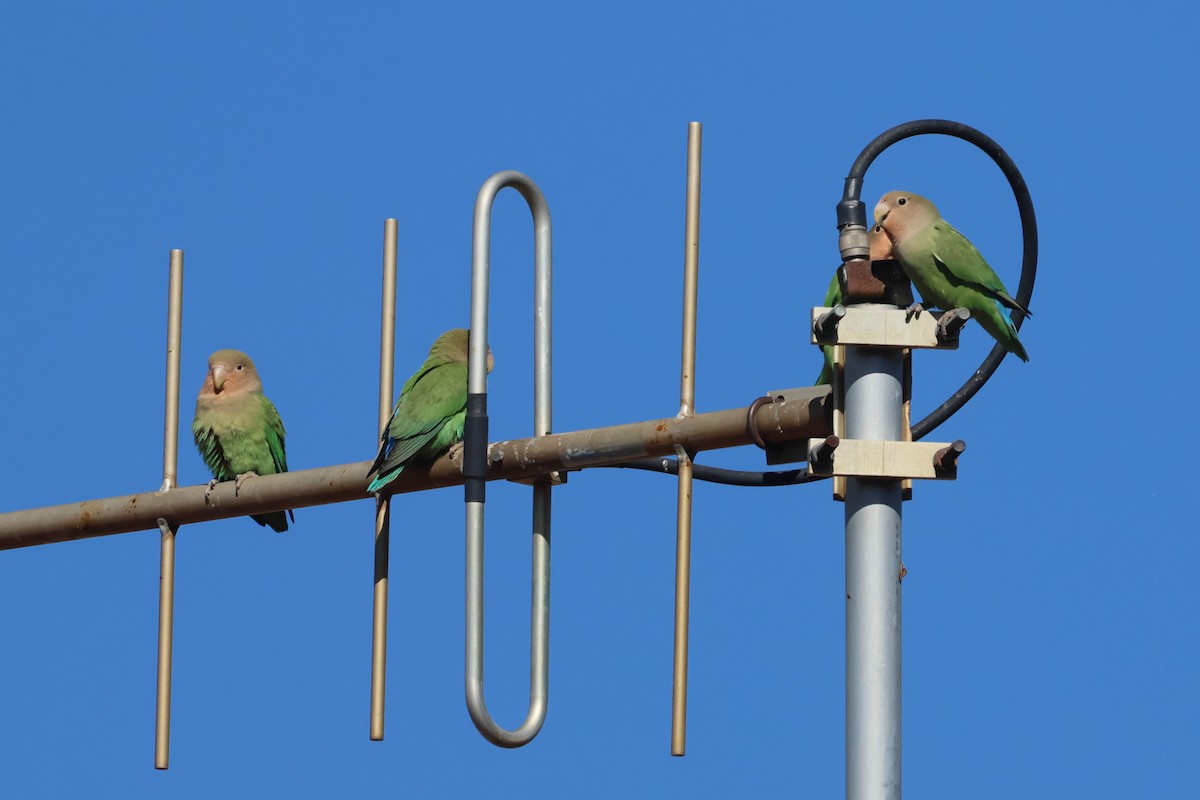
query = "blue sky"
{"x": 1049, "y": 618}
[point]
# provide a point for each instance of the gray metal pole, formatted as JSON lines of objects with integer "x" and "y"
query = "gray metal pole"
{"x": 874, "y": 399}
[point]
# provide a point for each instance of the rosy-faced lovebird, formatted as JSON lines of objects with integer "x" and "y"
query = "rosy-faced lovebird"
{"x": 429, "y": 416}
{"x": 237, "y": 429}
{"x": 881, "y": 250}
{"x": 946, "y": 268}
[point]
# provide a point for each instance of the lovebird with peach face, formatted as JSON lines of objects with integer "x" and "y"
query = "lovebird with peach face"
{"x": 237, "y": 429}
{"x": 946, "y": 268}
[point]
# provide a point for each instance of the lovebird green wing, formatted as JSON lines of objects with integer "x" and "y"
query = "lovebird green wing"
{"x": 833, "y": 296}
{"x": 428, "y": 419}
{"x": 274, "y": 434}
{"x": 955, "y": 255}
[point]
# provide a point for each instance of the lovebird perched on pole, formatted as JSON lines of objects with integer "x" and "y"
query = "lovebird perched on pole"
{"x": 946, "y": 268}
{"x": 429, "y": 416}
{"x": 237, "y": 429}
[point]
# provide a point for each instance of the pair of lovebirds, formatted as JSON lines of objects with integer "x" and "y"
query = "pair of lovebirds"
{"x": 240, "y": 435}
{"x": 944, "y": 266}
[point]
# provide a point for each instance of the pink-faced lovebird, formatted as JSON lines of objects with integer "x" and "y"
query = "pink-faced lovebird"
{"x": 237, "y": 429}
{"x": 946, "y": 268}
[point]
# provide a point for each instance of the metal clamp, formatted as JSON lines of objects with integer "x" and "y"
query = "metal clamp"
{"x": 752, "y": 419}
{"x": 475, "y": 461}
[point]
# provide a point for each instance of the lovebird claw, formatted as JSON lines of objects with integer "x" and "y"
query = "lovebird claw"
{"x": 455, "y": 455}
{"x": 913, "y": 312}
{"x": 237, "y": 483}
{"x": 950, "y": 318}
{"x": 209, "y": 490}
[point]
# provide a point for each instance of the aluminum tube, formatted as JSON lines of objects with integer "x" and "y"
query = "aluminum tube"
{"x": 539, "y": 614}
{"x": 387, "y": 361}
{"x": 166, "y": 571}
{"x": 683, "y": 588}
{"x": 539, "y": 639}
{"x": 174, "y": 340}
{"x": 473, "y": 459}
{"x": 166, "y": 638}
{"x": 804, "y": 417}
{"x": 687, "y": 408}
{"x": 691, "y": 271}
{"x": 874, "y": 397}
{"x": 543, "y": 328}
{"x": 387, "y": 322}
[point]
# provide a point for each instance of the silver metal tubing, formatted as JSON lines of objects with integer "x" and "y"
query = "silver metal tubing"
{"x": 874, "y": 395}
{"x": 475, "y": 458}
{"x": 805, "y": 416}
{"x": 166, "y": 586}
{"x": 687, "y": 408}
{"x": 387, "y": 360}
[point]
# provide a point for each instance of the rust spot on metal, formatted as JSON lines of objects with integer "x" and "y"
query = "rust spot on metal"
{"x": 85, "y": 515}
{"x": 877, "y": 282}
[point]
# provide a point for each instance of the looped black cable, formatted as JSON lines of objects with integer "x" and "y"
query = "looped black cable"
{"x": 851, "y": 211}
{"x": 729, "y": 477}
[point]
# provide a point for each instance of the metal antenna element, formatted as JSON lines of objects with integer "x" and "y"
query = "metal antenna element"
{"x": 387, "y": 360}
{"x": 687, "y": 408}
{"x": 475, "y": 458}
{"x": 166, "y": 585}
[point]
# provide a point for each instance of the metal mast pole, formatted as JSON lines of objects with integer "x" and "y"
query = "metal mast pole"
{"x": 874, "y": 399}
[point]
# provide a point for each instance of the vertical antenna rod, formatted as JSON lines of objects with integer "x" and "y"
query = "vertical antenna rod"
{"x": 687, "y": 407}
{"x": 387, "y": 360}
{"x": 166, "y": 579}
{"x": 475, "y": 461}
{"x": 874, "y": 396}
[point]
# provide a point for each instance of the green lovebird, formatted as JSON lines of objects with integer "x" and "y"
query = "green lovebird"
{"x": 429, "y": 416}
{"x": 237, "y": 429}
{"x": 881, "y": 250}
{"x": 833, "y": 296}
{"x": 946, "y": 268}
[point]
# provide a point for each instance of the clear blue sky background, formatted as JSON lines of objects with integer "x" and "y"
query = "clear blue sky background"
{"x": 1050, "y": 639}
